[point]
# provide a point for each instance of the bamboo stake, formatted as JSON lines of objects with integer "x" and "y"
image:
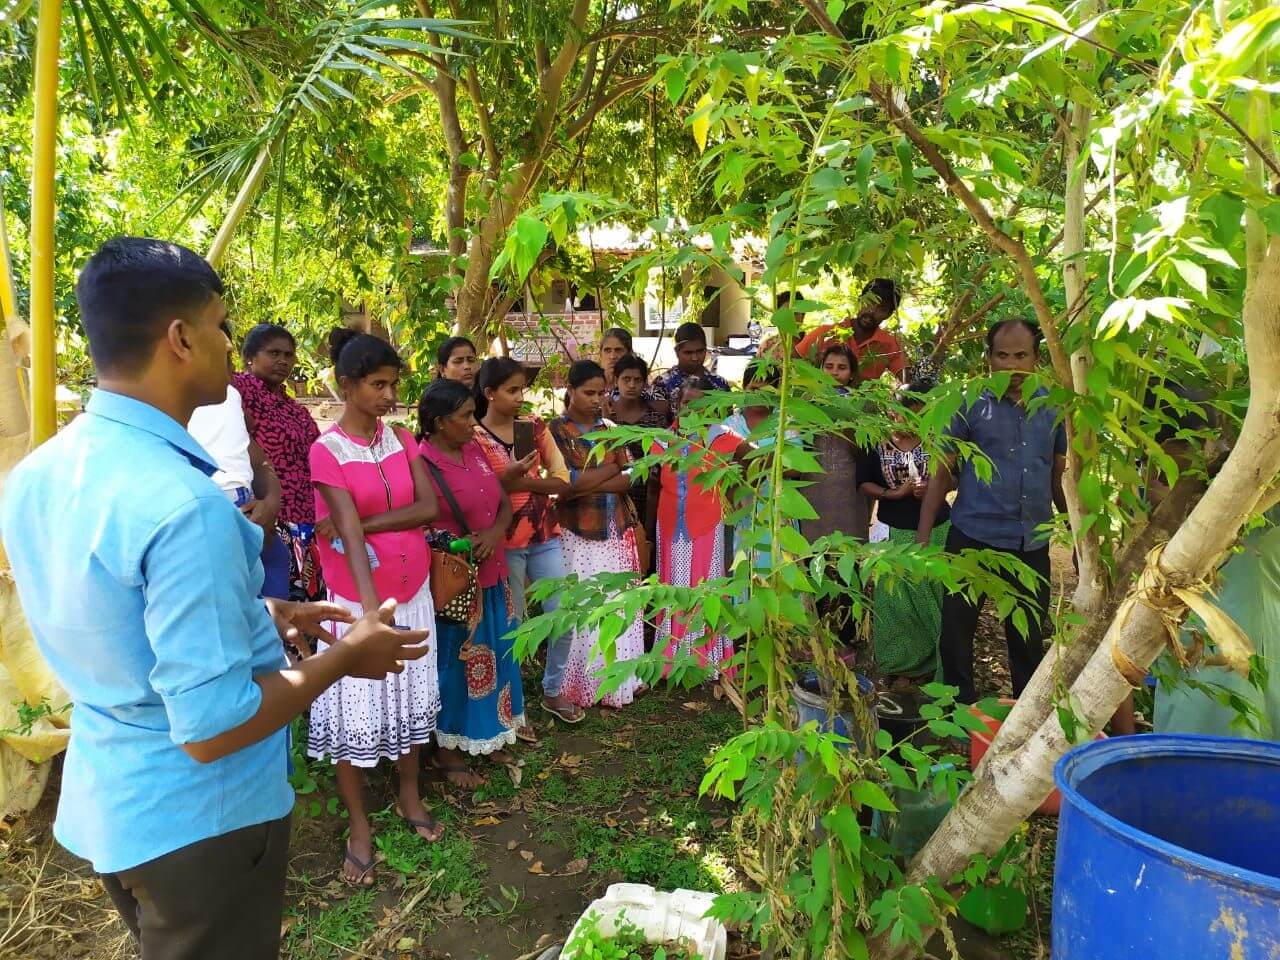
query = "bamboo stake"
{"x": 44, "y": 363}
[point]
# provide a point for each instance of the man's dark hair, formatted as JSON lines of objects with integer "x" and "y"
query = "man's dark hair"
{"x": 689, "y": 332}
{"x": 885, "y": 291}
{"x": 995, "y": 328}
{"x": 131, "y": 290}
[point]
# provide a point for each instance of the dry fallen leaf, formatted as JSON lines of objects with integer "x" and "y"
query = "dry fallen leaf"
{"x": 512, "y": 844}
{"x": 286, "y": 924}
{"x": 406, "y": 943}
{"x": 526, "y": 855}
{"x": 544, "y": 774}
{"x": 570, "y": 760}
{"x": 517, "y": 774}
{"x": 695, "y": 706}
{"x": 486, "y": 822}
{"x": 610, "y": 821}
{"x": 536, "y": 867}
{"x": 718, "y": 692}
{"x": 574, "y": 867}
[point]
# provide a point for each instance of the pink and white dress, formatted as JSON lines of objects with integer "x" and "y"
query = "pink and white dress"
{"x": 357, "y": 720}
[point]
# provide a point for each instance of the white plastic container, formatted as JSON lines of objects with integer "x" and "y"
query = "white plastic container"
{"x": 664, "y": 917}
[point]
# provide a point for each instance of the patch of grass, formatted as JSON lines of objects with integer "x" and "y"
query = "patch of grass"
{"x": 498, "y": 787}
{"x": 331, "y": 932}
{"x": 313, "y": 781}
{"x": 454, "y": 858}
{"x": 600, "y": 791}
{"x": 555, "y": 790}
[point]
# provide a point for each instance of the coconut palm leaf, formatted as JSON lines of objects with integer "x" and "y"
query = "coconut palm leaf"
{"x": 351, "y": 41}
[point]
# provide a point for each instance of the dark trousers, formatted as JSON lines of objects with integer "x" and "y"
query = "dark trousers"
{"x": 218, "y": 899}
{"x": 960, "y": 620}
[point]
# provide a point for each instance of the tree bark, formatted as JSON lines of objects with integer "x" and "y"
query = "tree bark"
{"x": 1092, "y": 583}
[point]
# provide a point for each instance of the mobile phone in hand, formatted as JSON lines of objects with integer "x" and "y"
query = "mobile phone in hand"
{"x": 523, "y": 438}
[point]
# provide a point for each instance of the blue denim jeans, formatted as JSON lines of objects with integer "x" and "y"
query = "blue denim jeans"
{"x": 541, "y": 561}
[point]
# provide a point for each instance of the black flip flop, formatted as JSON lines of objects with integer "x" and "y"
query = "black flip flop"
{"x": 427, "y": 824}
{"x": 365, "y": 868}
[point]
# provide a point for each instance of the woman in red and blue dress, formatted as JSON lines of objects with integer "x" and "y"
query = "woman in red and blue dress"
{"x": 481, "y": 697}
{"x": 690, "y": 525}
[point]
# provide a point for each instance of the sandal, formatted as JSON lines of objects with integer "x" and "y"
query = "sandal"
{"x": 366, "y": 869}
{"x": 526, "y": 734}
{"x": 427, "y": 824}
{"x": 568, "y": 716}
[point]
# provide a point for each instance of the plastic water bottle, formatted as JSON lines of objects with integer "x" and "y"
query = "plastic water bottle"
{"x": 460, "y": 545}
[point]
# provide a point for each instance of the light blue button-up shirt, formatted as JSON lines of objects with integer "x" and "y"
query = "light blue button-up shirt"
{"x": 140, "y": 580}
{"x": 1009, "y": 511}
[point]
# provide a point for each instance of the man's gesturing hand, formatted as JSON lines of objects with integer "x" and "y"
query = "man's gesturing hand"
{"x": 375, "y": 646}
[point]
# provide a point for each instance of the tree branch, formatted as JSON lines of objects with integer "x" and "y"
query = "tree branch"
{"x": 604, "y": 99}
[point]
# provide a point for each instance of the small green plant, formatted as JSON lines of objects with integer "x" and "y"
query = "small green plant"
{"x": 333, "y": 932}
{"x": 311, "y": 779}
{"x": 29, "y": 716}
{"x": 627, "y": 943}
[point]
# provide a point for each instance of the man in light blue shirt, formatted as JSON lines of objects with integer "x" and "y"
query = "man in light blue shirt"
{"x": 141, "y": 583}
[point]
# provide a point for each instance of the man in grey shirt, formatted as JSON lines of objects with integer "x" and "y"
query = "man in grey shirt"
{"x": 1028, "y": 454}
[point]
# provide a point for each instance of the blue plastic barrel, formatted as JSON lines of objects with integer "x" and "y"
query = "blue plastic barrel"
{"x": 810, "y": 704}
{"x": 1168, "y": 847}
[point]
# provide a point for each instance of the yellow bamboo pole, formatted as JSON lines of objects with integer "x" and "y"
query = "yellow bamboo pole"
{"x": 44, "y": 415}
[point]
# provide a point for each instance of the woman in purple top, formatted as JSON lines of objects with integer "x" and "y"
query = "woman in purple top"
{"x": 481, "y": 698}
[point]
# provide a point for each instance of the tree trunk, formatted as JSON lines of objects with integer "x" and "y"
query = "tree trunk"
{"x": 1091, "y": 585}
{"x": 1007, "y": 790}
{"x": 475, "y": 297}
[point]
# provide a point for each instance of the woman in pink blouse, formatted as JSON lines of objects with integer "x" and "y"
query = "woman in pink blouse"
{"x": 373, "y": 500}
{"x": 283, "y": 428}
{"x": 482, "y": 700}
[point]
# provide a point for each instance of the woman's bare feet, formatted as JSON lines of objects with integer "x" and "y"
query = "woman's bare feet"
{"x": 455, "y": 770}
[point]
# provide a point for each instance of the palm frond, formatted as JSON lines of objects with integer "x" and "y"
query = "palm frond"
{"x": 350, "y": 41}
{"x": 11, "y": 11}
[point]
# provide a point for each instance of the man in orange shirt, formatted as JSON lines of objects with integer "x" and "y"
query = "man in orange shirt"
{"x": 877, "y": 350}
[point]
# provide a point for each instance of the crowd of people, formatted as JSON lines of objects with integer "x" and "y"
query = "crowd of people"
{"x": 204, "y": 518}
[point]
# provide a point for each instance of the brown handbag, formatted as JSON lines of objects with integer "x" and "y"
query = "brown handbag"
{"x": 455, "y": 587}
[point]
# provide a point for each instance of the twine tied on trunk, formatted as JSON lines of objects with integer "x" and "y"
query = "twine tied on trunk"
{"x": 1170, "y": 597}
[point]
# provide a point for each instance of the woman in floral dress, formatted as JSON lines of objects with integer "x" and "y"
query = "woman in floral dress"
{"x": 597, "y": 530}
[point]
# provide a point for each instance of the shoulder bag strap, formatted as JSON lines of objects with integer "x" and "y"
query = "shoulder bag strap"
{"x": 448, "y": 495}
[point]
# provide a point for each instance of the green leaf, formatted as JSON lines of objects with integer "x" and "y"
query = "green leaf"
{"x": 842, "y": 822}
{"x": 1193, "y": 274}
{"x": 872, "y": 795}
{"x": 998, "y": 910}
{"x": 530, "y": 239}
{"x": 676, "y": 80}
{"x": 794, "y": 506}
